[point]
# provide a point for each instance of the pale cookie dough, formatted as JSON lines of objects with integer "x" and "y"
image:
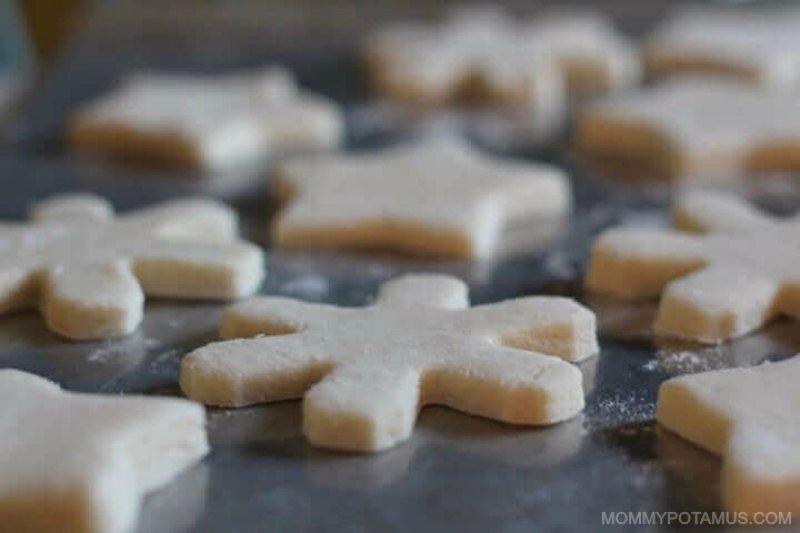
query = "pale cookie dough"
{"x": 435, "y": 197}
{"x": 484, "y": 56}
{"x": 756, "y": 46}
{"x": 82, "y": 463}
{"x": 471, "y": 59}
{"x": 749, "y": 417}
{"x": 592, "y": 56}
{"x": 698, "y": 128}
{"x": 716, "y": 286}
{"x": 208, "y": 123}
{"x": 364, "y": 373}
{"x": 88, "y": 272}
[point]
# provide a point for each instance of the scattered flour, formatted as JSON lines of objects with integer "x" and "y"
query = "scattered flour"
{"x": 623, "y": 408}
{"x": 112, "y": 349}
{"x": 684, "y": 362}
{"x": 168, "y": 360}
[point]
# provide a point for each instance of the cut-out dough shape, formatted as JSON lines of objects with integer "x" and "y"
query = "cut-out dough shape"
{"x": 749, "y": 417}
{"x": 88, "y": 272}
{"x": 82, "y": 463}
{"x": 484, "y": 56}
{"x": 592, "y": 56}
{"x": 698, "y": 128}
{"x": 756, "y": 46}
{"x": 210, "y": 123}
{"x": 716, "y": 286}
{"x": 364, "y": 373}
{"x": 437, "y": 197}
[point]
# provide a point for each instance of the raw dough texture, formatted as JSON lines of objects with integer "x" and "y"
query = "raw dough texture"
{"x": 484, "y": 56}
{"x": 364, "y": 373}
{"x": 82, "y": 463}
{"x": 756, "y": 46}
{"x": 436, "y": 197}
{"x": 717, "y": 286}
{"x": 699, "y": 128}
{"x": 210, "y": 123}
{"x": 749, "y": 417}
{"x": 88, "y": 271}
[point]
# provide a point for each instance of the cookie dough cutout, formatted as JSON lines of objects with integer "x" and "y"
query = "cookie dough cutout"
{"x": 82, "y": 463}
{"x": 693, "y": 129}
{"x": 88, "y": 272}
{"x": 206, "y": 123}
{"x": 364, "y": 373}
{"x": 471, "y": 60}
{"x": 731, "y": 279}
{"x": 747, "y": 416}
{"x": 753, "y": 46}
{"x": 485, "y": 56}
{"x": 592, "y": 56}
{"x": 435, "y": 198}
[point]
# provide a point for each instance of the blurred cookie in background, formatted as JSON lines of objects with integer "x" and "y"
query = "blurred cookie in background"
{"x": 483, "y": 58}
{"x": 754, "y": 45}
{"x": 205, "y": 122}
{"x": 692, "y": 129}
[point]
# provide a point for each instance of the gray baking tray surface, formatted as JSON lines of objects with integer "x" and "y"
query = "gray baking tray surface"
{"x": 457, "y": 473}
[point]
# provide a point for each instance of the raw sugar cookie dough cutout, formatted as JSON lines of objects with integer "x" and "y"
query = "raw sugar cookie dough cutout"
{"x": 485, "y": 56}
{"x": 747, "y": 416}
{"x": 693, "y": 129}
{"x": 210, "y": 123}
{"x": 754, "y": 46}
{"x": 88, "y": 271}
{"x": 736, "y": 275}
{"x": 82, "y": 463}
{"x": 436, "y": 197}
{"x": 364, "y": 373}
{"x": 470, "y": 60}
{"x": 591, "y": 54}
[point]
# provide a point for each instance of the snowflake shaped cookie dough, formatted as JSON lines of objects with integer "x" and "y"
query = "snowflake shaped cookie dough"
{"x": 485, "y": 56}
{"x": 756, "y": 46}
{"x": 364, "y": 373}
{"x": 749, "y": 417}
{"x": 686, "y": 129}
{"x": 82, "y": 463}
{"x": 436, "y": 197}
{"x": 722, "y": 284}
{"x": 207, "y": 123}
{"x": 88, "y": 271}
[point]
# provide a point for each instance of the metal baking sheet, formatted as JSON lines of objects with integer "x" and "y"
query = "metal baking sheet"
{"x": 457, "y": 473}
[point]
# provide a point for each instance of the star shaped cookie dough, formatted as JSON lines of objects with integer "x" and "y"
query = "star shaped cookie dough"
{"x": 486, "y": 56}
{"x": 591, "y": 54}
{"x": 82, "y": 463}
{"x": 436, "y": 197}
{"x": 694, "y": 129}
{"x": 716, "y": 286}
{"x": 208, "y": 123}
{"x": 756, "y": 46}
{"x": 364, "y": 373}
{"x": 749, "y": 417}
{"x": 88, "y": 272}
{"x": 473, "y": 58}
